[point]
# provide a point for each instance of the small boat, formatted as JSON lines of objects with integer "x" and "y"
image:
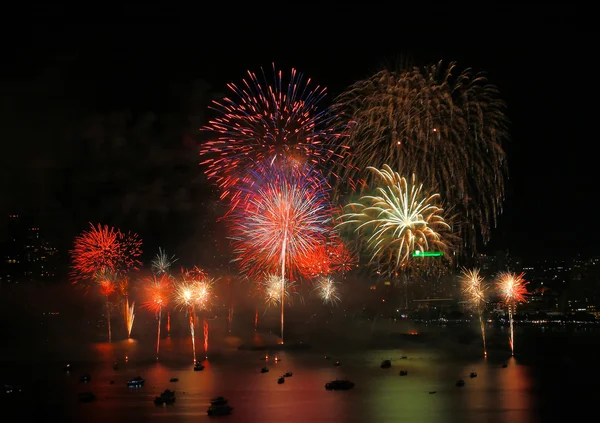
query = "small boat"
{"x": 219, "y": 410}
{"x": 460, "y": 383}
{"x": 85, "y": 378}
{"x": 337, "y": 363}
{"x": 174, "y": 379}
{"x": 164, "y": 400}
{"x": 473, "y": 374}
{"x": 339, "y": 384}
{"x": 115, "y": 366}
{"x": 287, "y": 374}
{"x": 86, "y": 397}
{"x": 68, "y": 368}
{"x": 386, "y": 364}
{"x": 264, "y": 370}
{"x": 136, "y": 382}
{"x": 12, "y": 389}
{"x": 198, "y": 367}
{"x": 167, "y": 393}
{"x": 404, "y": 357}
{"x": 432, "y": 392}
{"x": 218, "y": 401}
{"x": 112, "y": 382}
{"x": 327, "y": 357}
{"x": 504, "y": 366}
{"x": 403, "y": 372}
{"x": 281, "y": 380}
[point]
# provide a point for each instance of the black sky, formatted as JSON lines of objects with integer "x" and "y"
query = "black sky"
{"x": 61, "y": 71}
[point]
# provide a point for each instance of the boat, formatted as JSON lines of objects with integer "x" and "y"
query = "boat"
{"x": 67, "y": 368}
{"x": 136, "y": 382}
{"x": 86, "y": 397}
{"x": 386, "y": 364}
{"x": 198, "y": 367}
{"x": 504, "y": 366}
{"x": 218, "y": 401}
{"x": 174, "y": 379}
{"x": 403, "y": 372}
{"x": 160, "y": 400}
{"x": 264, "y": 370}
{"x": 287, "y": 374}
{"x": 404, "y": 357}
{"x": 219, "y": 410}
{"x": 339, "y": 384}
{"x": 473, "y": 374}
{"x": 12, "y": 389}
{"x": 167, "y": 393}
{"x": 432, "y": 392}
{"x": 115, "y": 366}
{"x": 85, "y": 378}
{"x": 281, "y": 380}
{"x": 337, "y": 363}
{"x": 460, "y": 383}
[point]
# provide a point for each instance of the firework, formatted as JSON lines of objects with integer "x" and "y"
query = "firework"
{"x": 261, "y": 123}
{"x": 398, "y": 220}
{"x": 103, "y": 247}
{"x": 446, "y": 129}
{"x": 157, "y": 290}
{"x": 270, "y": 287}
{"x": 327, "y": 290}
{"x": 330, "y": 257}
{"x": 284, "y": 219}
{"x": 474, "y": 290}
{"x": 105, "y": 279}
{"x": 191, "y": 294}
{"x": 128, "y": 310}
{"x": 512, "y": 288}
{"x": 162, "y": 262}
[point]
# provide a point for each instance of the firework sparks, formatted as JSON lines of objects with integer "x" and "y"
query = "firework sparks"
{"x": 512, "y": 287}
{"x": 330, "y": 257}
{"x": 128, "y": 310}
{"x": 327, "y": 290}
{"x": 263, "y": 123}
{"x": 398, "y": 220}
{"x": 284, "y": 220}
{"x": 162, "y": 262}
{"x": 157, "y": 290}
{"x": 474, "y": 290}
{"x": 448, "y": 130}
{"x": 103, "y": 247}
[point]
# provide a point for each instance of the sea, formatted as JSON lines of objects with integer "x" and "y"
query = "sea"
{"x": 553, "y": 377}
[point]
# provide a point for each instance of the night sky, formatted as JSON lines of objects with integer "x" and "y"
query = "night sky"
{"x": 99, "y": 121}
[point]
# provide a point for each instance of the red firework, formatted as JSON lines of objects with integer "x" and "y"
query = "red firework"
{"x": 104, "y": 247}
{"x": 263, "y": 122}
{"x": 157, "y": 291}
{"x": 328, "y": 258}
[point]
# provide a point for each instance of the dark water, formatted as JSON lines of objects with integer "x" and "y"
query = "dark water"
{"x": 541, "y": 385}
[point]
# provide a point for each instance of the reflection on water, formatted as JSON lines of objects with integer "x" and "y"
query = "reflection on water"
{"x": 496, "y": 395}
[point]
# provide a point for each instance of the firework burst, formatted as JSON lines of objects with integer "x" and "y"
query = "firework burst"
{"x": 330, "y": 257}
{"x": 285, "y": 217}
{"x": 512, "y": 288}
{"x": 327, "y": 290}
{"x": 270, "y": 287}
{"x": 157, "y": 291}
{"x": 398, "y": 220}
{"x": 162, "y": 262}
{"x": 263, "y": 122}
{"x": 103, "y": 247}
{"x": 447, "y": 129}
{"x": 474, "y": 290}
{"x": 106, "y": 280}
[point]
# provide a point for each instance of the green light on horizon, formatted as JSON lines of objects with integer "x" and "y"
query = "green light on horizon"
{"x": 420, "y": 253}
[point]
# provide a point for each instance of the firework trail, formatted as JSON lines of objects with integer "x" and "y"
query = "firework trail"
{"x": 128, "y": 310}
{"x": 474, "y": 290}
{"x": 327, "y": 290}
{"x": 105, "y": 279}
{"x": 102, "y": 247}
{"x": 162, "y": 262}
{"x": 283, "y": 220}
{"x": 512, "y": 288}
{"x": 447, "y": 129}
{"x": 262, "y": 122}
{"x": 398, "y": 220}
{"x": 157, "y": 291}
